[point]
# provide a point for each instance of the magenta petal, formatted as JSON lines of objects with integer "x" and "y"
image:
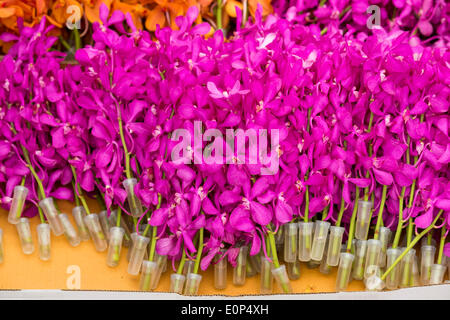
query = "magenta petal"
{"x": 283, "y": 212}
{"x": 447, "y": 249}
{"x": 208, "y": 207}
{"x": 425, "y": 219}
{"x": 240, "y": 220}
{"x": 360, "y": 182}
{"x": 260, "y": 213}
{"x": 229, "y": 197}
{"x": 159, "y": 217}
{"x": 383, "y": 177}
{"x": 443, "y": 204}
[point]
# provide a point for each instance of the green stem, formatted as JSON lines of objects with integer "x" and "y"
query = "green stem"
{"x": 273, "y": 248}
{"x": 351, "y": 231}
{"x": 219, "y": 14}
{"x": 410, "y": 246}
{"x": 41, "y": 214}
{"x": 80, "y": 193}
{"x": 119, "y": 216}
{"x": 65, "y": 44}
{"x": 77, "y": 200}
{"x": 400, "y": 219}
{"x": 380, "y": 213}
{"x": 306, "y": 204}
{"x": 441, "y": 246}
{"x": 77, "y": 39}
{"x": 325, "y": 212}
{"x": 341, "y": 211}
{"x": 182, "y": 261}
{"x": 199, "y": 252}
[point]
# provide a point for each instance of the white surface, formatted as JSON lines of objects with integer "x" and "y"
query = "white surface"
{"x": 440, "y": 292}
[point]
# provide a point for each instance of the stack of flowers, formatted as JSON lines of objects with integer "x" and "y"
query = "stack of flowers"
{"x": 283, "y": 144}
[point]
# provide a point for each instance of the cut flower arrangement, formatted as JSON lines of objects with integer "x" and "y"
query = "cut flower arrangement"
{"x": 355, "y": 177}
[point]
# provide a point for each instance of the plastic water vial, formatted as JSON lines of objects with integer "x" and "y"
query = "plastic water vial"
{"x": 161, "y": 263}
{"x": 363, "y": 219}
{"x": 293, "y": 270}
{"x": 43, "y": 232}
{"x": 334, "y": 245}
{"x": 344, "y": 271}
{"x": 51, "y": 213}
{"x": 305, "y": 237}
{"x": 24, "y": 231}
{"x": 138, "y": 250}
{"x": 220, "y": 271}
{"x": 426, "y": 261}
{"x": 147, "y": 275}
{"x": 78, "y": 214}
{"x": 437, "y": 273}
{"x": 127, "y": 241}
{"x": 406, "y": 270}
{"x": 192, "y": 284}
{"x": 282, "y": 279}
{"x": 104, "y": 222}
{"x": 393, "y": 278}
{"x": 1, "y": 246}
{"x": 95, "y": 231}
{"x": 188, "y": 267}
{"x": 290, "y": 242}
{"x": 320, "y": 239}
{"x": 177, "y": 283}
{"x": 18, "y": 201}
{"x": 133, "y": 201}
{"x": 359, "y": 262}
{"x": 266, "y": 276}
{"x": 373, "y": 254}
{"x": 69, "y": 231}
{"x": 115, "y": 246}
{"x": 385, "y": 238}
{"x": 239, "y": 272}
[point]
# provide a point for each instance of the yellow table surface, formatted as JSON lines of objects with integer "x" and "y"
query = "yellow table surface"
{"x": 20, "y": 271}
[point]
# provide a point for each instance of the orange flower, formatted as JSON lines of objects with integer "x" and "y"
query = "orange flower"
{"x": 136, "y": 10}
{"x": 230, "y": 7}
{"x": 59, "y": 15}
{"x": 164, "y": 12}
{"x": 92, "y": 9}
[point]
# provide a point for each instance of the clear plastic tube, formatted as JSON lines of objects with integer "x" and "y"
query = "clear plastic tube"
{"x": 137, "y": 254}
{"x": 1, "y": 246}
{"x": 293, "y": 270}
{"x": 132, "y": 236}
{"x": 192, "y": 284}
{"x": 48, "y": 207}
{"x": 290, "y": 242}
{"x": 437, "y": 273}
{"x": 17, "y": 204}
{"x": 324, "y": 268}
{"x": 372, "y": 256}
{"x": 320, "y": 239}
{"x": 334, "y": 245}
{"x": 104, "y": 222}
{"x": 69, "y": 231}
{"x": 220, "y": 272}
{"x": 407, "y": 269}
{"x": 282, "y": 279}
{"x": 256, "y": 261}
{"x": 127, "y": 241}
{"x": 78, "y": 214}
{"x": 415, "y": 273}
{"x": 344, "y": 271}
{"x": 305, "y": 237}
{"x": 374, "y": 282}
{"x": 251, "y": 270}
{"x": 426, "y": 261}
{"x": 115, "y": 246}
{"x": 95, "y": 231}
{"x": 266, "y": 276}
{"x": 279, "y": 236}
{"x": 24, "y": 231}
{"x": 363, "y": 219}
{"x": 239, "y": 272}
{"x": 133, "y": 201}
{"x": 188, "y": 267}
{"x": 359, "y": 262}
{"x": 177, "y": 283}
{"x": 393, "y": 278}
{"x": 161, "y": 262}
{"x": 43, "y": 232}
{"x": 148, "y": 272}
{"x": 385, "y": 238}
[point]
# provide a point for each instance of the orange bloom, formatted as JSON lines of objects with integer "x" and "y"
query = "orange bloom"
{"x": 92, "y": 9}
{"x": 59, "y": 15}
{"x": 164, "y": 12}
